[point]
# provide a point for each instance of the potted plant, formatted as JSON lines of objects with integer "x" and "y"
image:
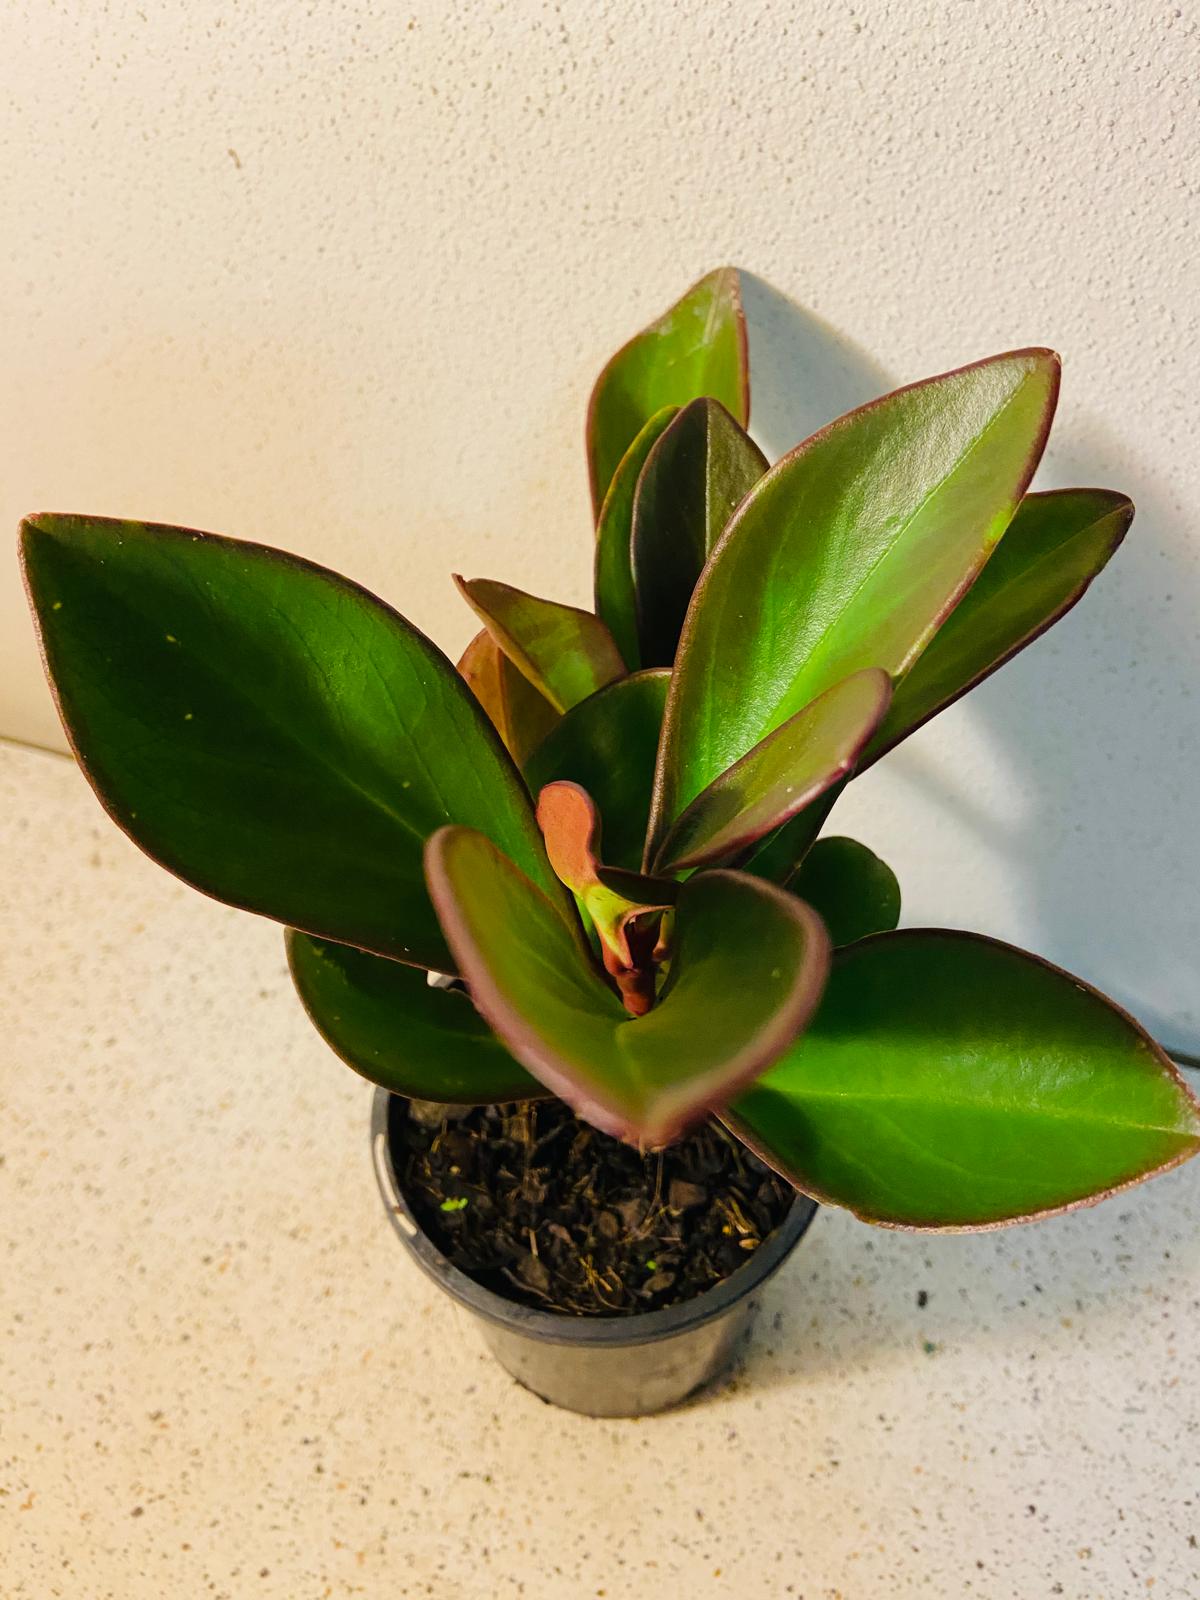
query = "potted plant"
{"x": 630, "y": 1010}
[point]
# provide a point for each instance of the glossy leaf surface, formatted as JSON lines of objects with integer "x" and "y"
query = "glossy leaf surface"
{"x": 854, "y": 893}
{"x": 387, "y": 1022}
{"x": 607, "y": 745}
{"x": 698, "y": 347}
{"x": 778, "y": 856}
{"x": 519, "y": 713}
{"x": 702, "y": 466}
{"x": 952, "y": 1081}
{"x": 782, "y": 775}
{"x": 616, "y": 602}
{"x": 566, "y": 654}
{"x": 849, "y": 554}
{"x": 267, "y": 729}
{"x": 1054, "y": 547}
{"x": 748, "y": 964}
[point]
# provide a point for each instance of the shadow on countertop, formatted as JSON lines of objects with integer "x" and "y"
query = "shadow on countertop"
{"x": 854, "y": 1297}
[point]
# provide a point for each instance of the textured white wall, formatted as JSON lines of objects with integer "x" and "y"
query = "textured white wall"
{"x": 339, "y": 277}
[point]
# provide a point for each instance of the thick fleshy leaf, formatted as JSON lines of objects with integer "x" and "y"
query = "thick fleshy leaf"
{"x": 780, "y": 777}
{"x": 625, "y": 922}
{"x": 607, "y": 746}
{"x": 949, "y": 1081}
{"x": 566, "y": 654}
{"x": 519, "y": 713}
{"x": 389, "y": 1023}
{"x": 268, "y": 730}
{"x": 703, "y": 465}
{"x": 1054, "y": 547}
{"x": 850, "y": 553}
{"x": 616, "y": 602}
{"x": 698, "y": 347}
{"x": 748, "y": 964}
{"x": 854, "y": 893}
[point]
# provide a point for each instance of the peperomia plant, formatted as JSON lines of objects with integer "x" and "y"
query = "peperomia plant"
{"x": 608, "y": 825}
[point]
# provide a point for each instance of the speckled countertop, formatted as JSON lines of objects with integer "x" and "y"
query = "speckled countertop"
{"x": 219, "y": 1375}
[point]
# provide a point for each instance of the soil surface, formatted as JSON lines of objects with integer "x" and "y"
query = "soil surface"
{"x": 540, "y": 1207}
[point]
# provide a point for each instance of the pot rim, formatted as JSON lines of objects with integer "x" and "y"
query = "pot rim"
{"x": 552, "y": 1327}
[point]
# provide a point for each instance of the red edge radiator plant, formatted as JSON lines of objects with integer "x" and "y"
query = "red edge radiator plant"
{"x": 608, "y": 825}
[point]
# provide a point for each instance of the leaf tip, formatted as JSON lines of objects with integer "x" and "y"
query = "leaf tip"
{"x": 570, "y": 825}
{"x": 38, "y": 527}
{"x": 1191, "y": 1108}
{"x": 1047, "y": 364}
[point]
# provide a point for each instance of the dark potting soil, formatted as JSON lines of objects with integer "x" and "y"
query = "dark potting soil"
{"x": 540, "y": 1207}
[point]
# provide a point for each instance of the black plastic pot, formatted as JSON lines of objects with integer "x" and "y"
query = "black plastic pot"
{"x": 601, "y": 1366}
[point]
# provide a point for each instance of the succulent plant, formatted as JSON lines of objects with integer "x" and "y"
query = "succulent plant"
{"x": 607, "y": 826}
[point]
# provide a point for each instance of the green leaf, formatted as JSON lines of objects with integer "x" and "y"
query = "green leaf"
{"x": 778, "y": 856}
{"x": 269, "y": 731}
{"x": 747, "y": 969}
{"x": 616, "y": 604}
{"x": 607, "y": 746}
{"x": 949, "y": 1081}
{"x": 1054, "y": 547}
{"x": 853, "y": 892}
{"x": 703, "y": 466}
{"x": 782, "y": 775}
{"x": 520, "y": 715}
{"x": 698, "y": 347}
{"x": 566, "y": 654}
{"x": 848, "y": 554}
{"x": 389, "y": 1023}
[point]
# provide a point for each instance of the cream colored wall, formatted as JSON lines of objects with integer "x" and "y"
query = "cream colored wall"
{"x": 339, "y": 277}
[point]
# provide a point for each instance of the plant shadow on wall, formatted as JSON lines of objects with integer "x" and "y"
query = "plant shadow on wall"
{"x": 1099, "y": 759}
{"x": 1107, "y": 845}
